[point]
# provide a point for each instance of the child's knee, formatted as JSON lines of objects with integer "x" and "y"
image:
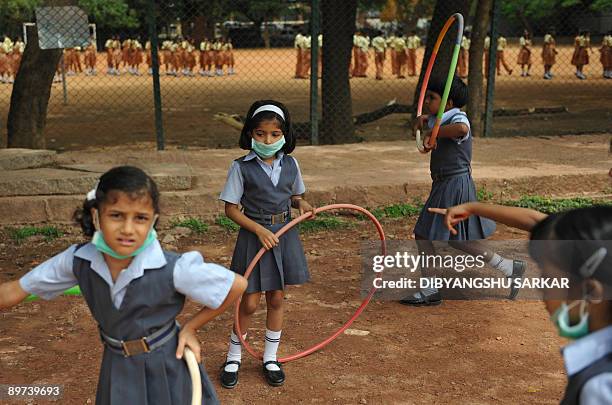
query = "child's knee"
{"x": 249, "y": 306}
{"x": 274, "y": 300}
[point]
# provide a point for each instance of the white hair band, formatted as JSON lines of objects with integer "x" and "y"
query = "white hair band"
{"x": 269, "y": 107}
{"x": 91, "y": 195}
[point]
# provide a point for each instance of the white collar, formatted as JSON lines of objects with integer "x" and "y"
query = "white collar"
{"x": 585, "y": 351}
{"x": 150, "y": 258}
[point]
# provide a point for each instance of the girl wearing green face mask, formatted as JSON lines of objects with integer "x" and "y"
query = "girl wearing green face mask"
{"x": 266, "y": 183}
{"x": 134, "y": 290}
{"x": 576, "y": 244}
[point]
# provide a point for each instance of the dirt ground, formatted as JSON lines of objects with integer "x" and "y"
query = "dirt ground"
{"x": 478, "y": 352}
{"x": 109, "y": 110}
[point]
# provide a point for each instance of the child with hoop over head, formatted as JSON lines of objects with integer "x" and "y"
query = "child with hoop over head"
{"x": 451, "y": 172}
{"x": 266, "y": 182}
{"x": 134, "y": 291}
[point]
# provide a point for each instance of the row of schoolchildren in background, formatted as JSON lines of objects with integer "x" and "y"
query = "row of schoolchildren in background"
{"x": 403, "y": 55}
{"x": 178, "y": 58}
{"x": 181, "y": 57}
{"x": 402, "y": 50}
{"x": 580, "y": 56}
{"x": 10, "y": 58}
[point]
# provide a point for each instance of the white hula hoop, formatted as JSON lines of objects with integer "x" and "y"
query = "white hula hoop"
{"x": 194, "y": 372}
{"x": 419, "y": 142}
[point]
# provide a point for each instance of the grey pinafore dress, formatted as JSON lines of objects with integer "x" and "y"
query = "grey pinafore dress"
{"x": 450, "y": 168}
{"x": 285, "y": 264}
{"x": 150, "y": 302}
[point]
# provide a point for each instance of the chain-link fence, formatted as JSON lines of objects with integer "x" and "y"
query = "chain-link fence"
{"x": 217, "y": 57}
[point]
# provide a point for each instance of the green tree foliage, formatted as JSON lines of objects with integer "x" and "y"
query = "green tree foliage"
{"x": 13, "y": 13}
{"x": 115, "y": 14}
{"x": 544, "y": 8}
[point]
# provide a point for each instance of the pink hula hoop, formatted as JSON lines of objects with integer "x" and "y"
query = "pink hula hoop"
{"x": 359, "y": 310}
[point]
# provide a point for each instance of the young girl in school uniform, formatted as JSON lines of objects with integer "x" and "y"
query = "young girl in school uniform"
{"x": 576, "y": 244}
{"x": 134, "y": 291}
{"x": 549, "y": 53}
{"x": 524, "y": 55}
{"x": 451, "y": 172}
{"x": 580, "y": 57}
{"x": 605, "y": 56}
{"x": 266, "y": 182}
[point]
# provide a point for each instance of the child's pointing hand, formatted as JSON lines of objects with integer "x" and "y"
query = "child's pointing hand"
{"x": 452, "y": 216}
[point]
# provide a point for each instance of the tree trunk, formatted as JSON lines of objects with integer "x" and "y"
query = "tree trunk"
{"x": 338, "y": 27}
{"x": 475, "y": 76}
{"x": 442, "y": 11}
{"x": 266, "y": 35}
{"x": 30, "y": 97}
{"x": 413, "y": 16}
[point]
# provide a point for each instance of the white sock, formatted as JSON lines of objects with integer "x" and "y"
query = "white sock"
{"x": 270, "y": 348}
{"x": 501, "y": 264}
{"x": 234, "y": 353}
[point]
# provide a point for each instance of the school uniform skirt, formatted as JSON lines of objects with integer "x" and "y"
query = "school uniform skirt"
{"x": 605, "y": 57}
{"x": 446, "y": 193}
{"x": 157, "y": 377}
{"x": 524, "y": 57}
{"x": 549, "y": 55}
{"x": 284, "y": 265}
{"x": 580, "y": 56}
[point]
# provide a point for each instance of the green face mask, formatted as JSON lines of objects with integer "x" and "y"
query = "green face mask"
{"x": 266, "y": 151}
{"x": 561, "y": 319}
{"x": 98, "y": 241}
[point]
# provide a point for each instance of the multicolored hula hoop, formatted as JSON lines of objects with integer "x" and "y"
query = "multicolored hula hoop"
{"x": 359, "y": 310}
{"x": 449, "y": 80}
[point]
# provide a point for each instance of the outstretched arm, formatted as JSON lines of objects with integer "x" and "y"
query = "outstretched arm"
{"x": 521, "y": 218}
{"x": 11, "y": 294}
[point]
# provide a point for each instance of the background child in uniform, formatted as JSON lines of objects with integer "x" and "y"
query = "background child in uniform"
{"x": 549, "y": 53}
{"x": 580, "y": 57}
{"x": 134, "y": 290}
{"x": 606, "y": 55}
{"x": 266, "y": 183}
{"x": 524, "y": 56}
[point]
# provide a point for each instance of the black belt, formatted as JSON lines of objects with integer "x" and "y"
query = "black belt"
{"x": 443, "y": 175}
{"x": 269, "y": 219}
{"x": 144, "y": 344}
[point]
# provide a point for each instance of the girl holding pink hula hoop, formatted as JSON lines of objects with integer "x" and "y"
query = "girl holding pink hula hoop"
{"x": 266, "y": 182}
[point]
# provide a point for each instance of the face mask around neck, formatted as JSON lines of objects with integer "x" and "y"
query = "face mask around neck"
{"x": 98, "y": 240}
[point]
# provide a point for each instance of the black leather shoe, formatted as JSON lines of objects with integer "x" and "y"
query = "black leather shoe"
{"x": 423, "y": 300}
{"x": 274, "y": 378}
{"x": 229, "y": 379}
{"x": 518, "y": 269}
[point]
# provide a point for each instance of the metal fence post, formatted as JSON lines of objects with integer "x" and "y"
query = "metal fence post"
{"x": 492, "y": 67}
{"x": 159, "y": 128}
{"x": 314, "y": 72}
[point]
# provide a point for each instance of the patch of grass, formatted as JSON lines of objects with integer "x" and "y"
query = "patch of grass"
{"x": 484, "y": 195}
{"x": 194, "y": 224}
{"x": 323, "y": 222}
{"x": 398, "y": 210}
{"x": 48, "y": 231}
{"x": 227, "y": 223}
{"x": 551, "y": 206}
